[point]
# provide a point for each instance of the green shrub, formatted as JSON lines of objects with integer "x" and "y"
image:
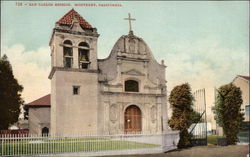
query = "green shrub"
{"x": 181, "y": 100}
{"x": 227, "y": 110}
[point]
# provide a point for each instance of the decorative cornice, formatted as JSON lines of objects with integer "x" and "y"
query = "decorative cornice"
{"x": 133, "y": 72}
{"x": 151, "y": 88}
{"x": 133, "y": 93}
{"x": 132, "y": 59}
{"x": 86, "y": 33}
{"x": 115, "y": 86}
{"x": 54, "y": 69}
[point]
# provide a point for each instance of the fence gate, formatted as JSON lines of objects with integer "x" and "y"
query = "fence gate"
{"x": 198, "y": 129}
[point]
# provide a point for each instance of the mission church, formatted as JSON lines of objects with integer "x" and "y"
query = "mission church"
{"x": 123, "y": 93}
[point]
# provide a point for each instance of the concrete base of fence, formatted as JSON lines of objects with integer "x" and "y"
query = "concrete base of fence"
{"x": 242, "y": 143}
{"x": 170, "y": 140}
{"x": 108, "y": 153}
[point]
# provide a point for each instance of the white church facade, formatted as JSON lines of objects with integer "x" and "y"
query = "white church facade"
{"x": 123, "y": 93}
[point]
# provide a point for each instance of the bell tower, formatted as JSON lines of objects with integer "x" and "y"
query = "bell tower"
{"x": 77, "y": 39}
{"x": 74, "y": 75}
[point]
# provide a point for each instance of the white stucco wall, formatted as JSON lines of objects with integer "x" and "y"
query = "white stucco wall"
{"x": 74, "y": 113}
{"x": 140, "y": 66}
{"x": 244, "y": 86}
{"x": 39, "y": 117}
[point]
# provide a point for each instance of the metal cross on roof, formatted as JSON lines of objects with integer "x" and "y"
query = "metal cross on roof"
{"x": 129, "y": 19}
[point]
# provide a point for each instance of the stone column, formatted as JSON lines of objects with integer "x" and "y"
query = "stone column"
{"x": 75, "y": 58}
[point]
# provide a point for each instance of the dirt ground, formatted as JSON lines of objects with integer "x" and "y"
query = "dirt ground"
{"x": 202, "y": 151}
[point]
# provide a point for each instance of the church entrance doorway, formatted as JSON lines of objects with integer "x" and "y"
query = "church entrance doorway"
{"x": 45, "y": 131}
{"x": 132, "y": 119}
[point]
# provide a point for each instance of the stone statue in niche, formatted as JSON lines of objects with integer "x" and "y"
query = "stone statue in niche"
{"x": 120, "y": 47}
{"x": 153, "y": 114}
{"x": 132, "y": 46}
{"x": 113, "y": 113}
{"x": 142, "y": 48}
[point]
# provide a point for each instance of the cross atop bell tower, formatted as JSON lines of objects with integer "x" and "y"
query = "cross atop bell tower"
{"x": 129, "y": 20}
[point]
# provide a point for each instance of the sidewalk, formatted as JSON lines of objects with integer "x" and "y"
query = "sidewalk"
{"x": 202, "y": 151}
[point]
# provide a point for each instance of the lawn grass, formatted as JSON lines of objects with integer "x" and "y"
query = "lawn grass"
{"x": 243, "y": 136}
{"x": 67, "y": 145}
{"x": 212, "y": 139}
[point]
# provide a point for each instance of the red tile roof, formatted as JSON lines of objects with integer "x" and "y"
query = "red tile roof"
{"x": 67, "y": 19}
{"x": 245, "y": 77}
{"x": 43, "y": 101}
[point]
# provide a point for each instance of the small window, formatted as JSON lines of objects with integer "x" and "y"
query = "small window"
{"x": 131, "y": 86}
{"x": 247, "y": 110}
{"x": 76, "y": 90}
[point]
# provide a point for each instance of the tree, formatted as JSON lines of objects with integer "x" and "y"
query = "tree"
{"x": 181, "y": 100}
{"x": 227, "y": 111}
{"x": 10, "y": 95}
{"x": 26, "y": 112}
{"x": 196, "y": 117}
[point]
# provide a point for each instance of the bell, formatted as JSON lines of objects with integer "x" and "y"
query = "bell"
{"x": 83, "y": 58}
{"x": 67, "y": 54}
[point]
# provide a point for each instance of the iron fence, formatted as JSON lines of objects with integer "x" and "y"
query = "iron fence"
{"x": 198, "y": 130}
{"x": 87, "y": 144}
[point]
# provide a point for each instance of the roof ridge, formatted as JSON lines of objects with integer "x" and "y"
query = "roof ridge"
{"x": 69, "y": 16}
{"x": 244, "y": 77}
{"x": 45, "y": 100}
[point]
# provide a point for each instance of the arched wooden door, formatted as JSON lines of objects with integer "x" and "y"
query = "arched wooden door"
{"x": 132, "y": 119}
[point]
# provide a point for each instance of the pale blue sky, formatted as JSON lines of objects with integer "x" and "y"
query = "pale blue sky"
{"x": 169, "y": 21}
{"x": 206, "y": 40}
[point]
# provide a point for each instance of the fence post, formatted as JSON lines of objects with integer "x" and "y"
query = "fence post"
{"x": 6, "y": 145}
{"x": 205, "y": 113}
{"x": 2, "y": 144}
{"x": 13, "y": 143}
{"x": 1, "y": 153}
